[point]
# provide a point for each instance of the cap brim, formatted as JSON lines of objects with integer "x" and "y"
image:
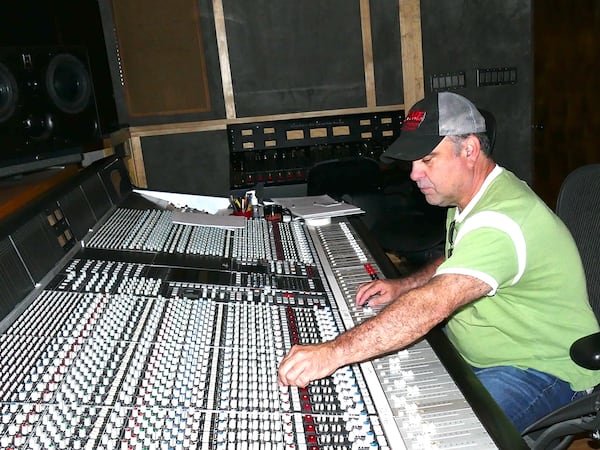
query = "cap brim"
{"x": 410, "y": 148}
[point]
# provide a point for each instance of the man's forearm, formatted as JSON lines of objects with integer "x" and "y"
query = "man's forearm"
{"x": 408, "y": 318}
{"x": 399, "y": 324}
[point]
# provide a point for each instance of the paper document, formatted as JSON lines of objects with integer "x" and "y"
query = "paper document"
{"x": 317, "y": 206}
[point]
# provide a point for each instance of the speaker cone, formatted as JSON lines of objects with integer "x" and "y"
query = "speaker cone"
{"x": 9, "y": 93}
{"x": 68, "y": 83}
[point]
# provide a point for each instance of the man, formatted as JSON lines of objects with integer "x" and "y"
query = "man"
{"x": 511, "y": 285}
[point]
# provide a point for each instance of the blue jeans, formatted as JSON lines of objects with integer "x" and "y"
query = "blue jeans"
{"x": 525, "y": 395}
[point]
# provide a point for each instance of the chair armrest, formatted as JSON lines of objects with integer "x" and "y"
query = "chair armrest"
{"x": 585, "y": 351}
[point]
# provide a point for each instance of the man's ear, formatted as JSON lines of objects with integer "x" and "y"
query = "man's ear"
{"x": 472, "y": 147}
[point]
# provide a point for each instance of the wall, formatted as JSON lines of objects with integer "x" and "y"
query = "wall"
{"x": 463, "y": 36}
{"x": 258, "y": 58}
{"x": 194, "y": 66}
{"x": 259, "y": 61}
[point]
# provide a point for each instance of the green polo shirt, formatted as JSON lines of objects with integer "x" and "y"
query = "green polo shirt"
{"x": 538, "y": 304}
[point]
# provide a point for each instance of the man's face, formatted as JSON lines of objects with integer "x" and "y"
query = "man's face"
{"x": 441, "y": 174}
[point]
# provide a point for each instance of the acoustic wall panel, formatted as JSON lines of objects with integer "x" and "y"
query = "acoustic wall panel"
{"x": 468, "y": 36}
{"x": 387, "y": 52}
{"x": 192, "y": 163}
{"x": 290, "y": 56}
{"x": 161, "y": 52}
{"x": 164, "y": 60}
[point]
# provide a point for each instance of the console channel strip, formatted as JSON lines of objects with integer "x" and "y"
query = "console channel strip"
{"x": 428, "y": 407}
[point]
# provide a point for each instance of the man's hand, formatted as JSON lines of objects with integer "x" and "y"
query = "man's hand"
{"x": 379, "y": 292}
{"x": 306, "y": 363}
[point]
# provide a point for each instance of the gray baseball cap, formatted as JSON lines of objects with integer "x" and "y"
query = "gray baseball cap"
{"x": 429, "y": 120}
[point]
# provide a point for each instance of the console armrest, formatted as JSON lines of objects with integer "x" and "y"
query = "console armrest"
{"x": 585, "y": 351}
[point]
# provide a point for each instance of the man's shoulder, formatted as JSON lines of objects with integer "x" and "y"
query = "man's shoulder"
{"x": 508, "y": 194}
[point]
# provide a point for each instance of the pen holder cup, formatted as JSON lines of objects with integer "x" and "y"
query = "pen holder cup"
{"x": 246, "y": 214}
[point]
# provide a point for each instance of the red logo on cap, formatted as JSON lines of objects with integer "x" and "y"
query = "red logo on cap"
{"x": 413, "y": 120}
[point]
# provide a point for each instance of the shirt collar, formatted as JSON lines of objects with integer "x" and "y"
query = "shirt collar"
{"x": 497, "y": 170}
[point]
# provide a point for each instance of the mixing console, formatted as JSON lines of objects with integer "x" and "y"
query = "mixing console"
{"x": 154, "y": 334}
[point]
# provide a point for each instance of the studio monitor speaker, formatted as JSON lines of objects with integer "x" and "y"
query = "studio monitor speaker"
{"x": 47, "y": 100}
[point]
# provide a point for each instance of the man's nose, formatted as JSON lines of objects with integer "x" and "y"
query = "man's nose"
{"x": 416, "y": 171}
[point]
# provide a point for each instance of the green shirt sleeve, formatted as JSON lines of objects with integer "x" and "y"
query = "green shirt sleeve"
{"x": 489, "y": 247}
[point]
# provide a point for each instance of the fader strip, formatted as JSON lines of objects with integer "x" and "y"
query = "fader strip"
{"x": 429, "y": 409}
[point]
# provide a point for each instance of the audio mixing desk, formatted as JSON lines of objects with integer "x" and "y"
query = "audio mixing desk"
{"x": 122, "y": 329}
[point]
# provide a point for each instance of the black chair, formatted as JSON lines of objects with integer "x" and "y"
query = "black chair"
{"x": 354, "y": 180}
{"x": 409, "y": 226}
{"x": 415, "y": 229}
{"x": 337, "y": 177}
{"x": 578, "y": 205}
{"x": 490, "y": 127}
{"x": 395, "y": 211}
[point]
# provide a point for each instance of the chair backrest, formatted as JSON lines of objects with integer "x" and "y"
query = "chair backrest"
{"x": 490, "y": 127}
{"x": 578, "y": 205}
{"x": 338, "y": 177}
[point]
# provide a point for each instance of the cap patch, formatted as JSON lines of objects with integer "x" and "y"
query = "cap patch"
{"x": 413, "y": 120}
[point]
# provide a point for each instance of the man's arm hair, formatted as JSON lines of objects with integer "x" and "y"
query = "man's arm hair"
{"x": 408, "y": 318}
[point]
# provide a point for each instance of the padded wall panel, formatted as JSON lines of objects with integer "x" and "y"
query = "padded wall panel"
{"x": 193, "y": 163}
{"x": 161, "y": 53}
{"x": 164, "y": 60}
{"x": 387, "y": 52}
{"x": 289, "y": 56}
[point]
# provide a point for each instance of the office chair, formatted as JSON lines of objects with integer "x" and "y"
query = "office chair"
{"x": 490, "y": 127}
{"x": 578, "y": 205}
{"x": 410, "y": 227}
{"x": 354, "y": 180}
{"x": 395, "y": 211}
{"x": 337, "y": 177}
